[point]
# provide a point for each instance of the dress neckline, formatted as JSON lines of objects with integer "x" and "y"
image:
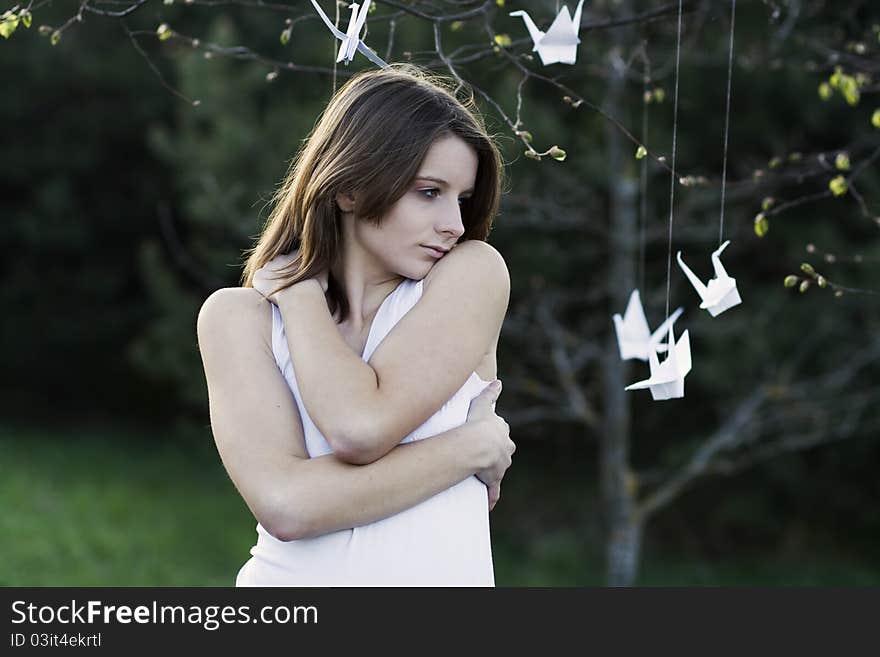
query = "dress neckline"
{"x": 367, "y": 344}
{"x": 376, "y": 317}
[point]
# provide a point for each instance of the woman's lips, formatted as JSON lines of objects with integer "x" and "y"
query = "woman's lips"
{"x": 436, "y": 253}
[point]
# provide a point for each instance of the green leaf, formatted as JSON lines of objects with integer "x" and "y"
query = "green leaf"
{"x": 825, "y": 91}
{"x": 804, "y": 286}
{"x": 503, "y": 40}
{"x": 641, "y": 152}
{"x": 7, "y": 27}
{"x": 847, "y": 85}
{"x": 834, "y": 80}
{"x": 850, "y": 90}
{"x": 842, "y": 161}
{"x": 875, "y": 118}
{"x": 791, "y": 280}
{"x": 557, "y": 153}
{"x": 285, "y": 36}
{"x": 807, "y": 268}
{"x": 761, "y": 225}
{"x": 55, "y": 38}
{"x": 767, "y": 203}
{"x": 163, "y": 32}
{"x": 838, "y": 186}
{"x": 25, "y": 17}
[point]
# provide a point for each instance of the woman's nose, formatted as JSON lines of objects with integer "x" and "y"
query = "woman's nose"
{"x": 452, "y": 222}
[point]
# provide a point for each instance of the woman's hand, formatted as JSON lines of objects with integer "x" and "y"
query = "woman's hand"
{"x": 268, "y": 277}
{"x": 494, "y": 495}
{"x": 493, "y": 434}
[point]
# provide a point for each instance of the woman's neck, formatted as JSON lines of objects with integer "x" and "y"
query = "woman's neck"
{"x": 364, "y": 285}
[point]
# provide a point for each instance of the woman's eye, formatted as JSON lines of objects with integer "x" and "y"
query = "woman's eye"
{"x": 433, "y": 192}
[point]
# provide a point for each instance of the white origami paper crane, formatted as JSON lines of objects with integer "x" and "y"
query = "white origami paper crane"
{"x": 351, "y": 40}
{"x": 720, "y": 293}
{"x": 560, "y": 42}
{"x": 667, "y": 378}
{"x": 633, "y": 334}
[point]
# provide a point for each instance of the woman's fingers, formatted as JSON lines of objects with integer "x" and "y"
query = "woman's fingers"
{"x": 481, "y": 405}
{"x": 494, "y": 494}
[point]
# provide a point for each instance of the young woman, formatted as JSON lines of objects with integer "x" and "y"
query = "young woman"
{"x": 354, "y": 413}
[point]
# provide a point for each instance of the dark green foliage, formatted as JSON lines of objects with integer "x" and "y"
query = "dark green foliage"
{"x": 125, "y": 206}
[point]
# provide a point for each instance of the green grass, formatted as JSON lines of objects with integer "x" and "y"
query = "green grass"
{"x": 98, "y": 508}
{"x": 563, "y": 560}
{"x": 118, "y": 507}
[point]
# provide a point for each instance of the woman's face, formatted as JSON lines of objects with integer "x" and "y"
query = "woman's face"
{"x": 427, "y": 215}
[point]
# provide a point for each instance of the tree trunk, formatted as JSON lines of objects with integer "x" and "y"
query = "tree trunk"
{"x": 623, "y": 528}
{"x": 623, "y": 552}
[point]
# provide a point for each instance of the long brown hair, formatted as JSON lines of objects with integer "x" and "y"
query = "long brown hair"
{"x": 370, "y": 141}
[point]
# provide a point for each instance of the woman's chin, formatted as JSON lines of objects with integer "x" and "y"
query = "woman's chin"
{"x": 417, "y": 271}
{"x": 423, "y": 271}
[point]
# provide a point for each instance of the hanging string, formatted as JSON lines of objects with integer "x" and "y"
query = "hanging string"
{"x": 674, "y": 171}
{"x": 726, "y": 121}
{"x": 643, "y": 204}
{"x": 335, "y": 44}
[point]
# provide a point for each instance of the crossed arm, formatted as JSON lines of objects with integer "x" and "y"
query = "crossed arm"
{"x": 421, "y": 363}
{"x": 259, "y": 435}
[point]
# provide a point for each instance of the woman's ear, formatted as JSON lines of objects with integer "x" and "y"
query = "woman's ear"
{"x": 345, "y": 201}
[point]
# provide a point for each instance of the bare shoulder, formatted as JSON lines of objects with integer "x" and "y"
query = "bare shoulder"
{"x": 235, "y": 312}
{"x": 476, "y": 261}
{"x": 476, "y": 271}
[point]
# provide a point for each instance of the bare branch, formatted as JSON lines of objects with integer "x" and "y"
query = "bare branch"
{"x": 565, "y": 370}
{"x": 745, "y": 425}
{"x": 725, "y": 437}
{"x": 520, "y": 418}
{"x": 153, "y": 67}
{"x": 184, "y": 261}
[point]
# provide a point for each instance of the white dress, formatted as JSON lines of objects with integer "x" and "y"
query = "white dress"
{"x": 444, "y": 541}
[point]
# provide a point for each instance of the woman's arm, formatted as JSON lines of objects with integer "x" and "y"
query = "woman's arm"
{"x": 258, "y": 432}
{"x": 419, "y": 365}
